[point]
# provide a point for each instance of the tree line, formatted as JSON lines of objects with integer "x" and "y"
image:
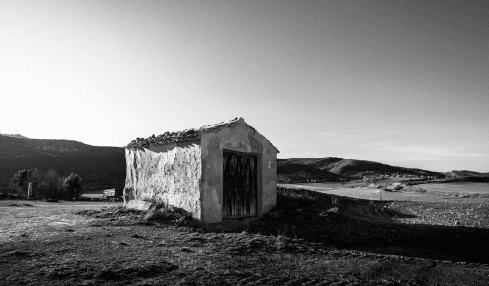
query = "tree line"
{"x": 45, "y": 185}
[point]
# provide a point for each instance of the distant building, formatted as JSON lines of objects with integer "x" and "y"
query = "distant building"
{"x": 109, "y": 193}
{"x": 94, "y": 196}
{"x": 221, "y": 171}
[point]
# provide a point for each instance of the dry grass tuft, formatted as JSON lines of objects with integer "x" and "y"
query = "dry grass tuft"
{"x": 164, "y": 212}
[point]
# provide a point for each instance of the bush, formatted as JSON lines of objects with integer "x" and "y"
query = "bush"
{"x": 164, "y": 212}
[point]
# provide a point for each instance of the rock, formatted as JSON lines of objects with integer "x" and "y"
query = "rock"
{"x": 395, "y": 187}
{"x": 333, "y": 210}
{"x": 457, "y": 223}
{"x": 398, "y": 186}
{"x": 165, "y": 138}
{"x": 139, "y": 205}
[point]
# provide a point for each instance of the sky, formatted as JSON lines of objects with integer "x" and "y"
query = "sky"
{"x": 399, "y": 82}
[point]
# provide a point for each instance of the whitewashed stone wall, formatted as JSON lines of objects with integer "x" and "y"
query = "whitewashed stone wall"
{"x": 242, "y": 138}
{"x": 172, "y": 177}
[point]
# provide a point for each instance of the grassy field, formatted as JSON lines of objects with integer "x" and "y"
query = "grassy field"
{"x": 355, "y": 184}
{"x": 457, "y": 187}
{"x": 358, "y": 242}
{"x": 433, "y": 192}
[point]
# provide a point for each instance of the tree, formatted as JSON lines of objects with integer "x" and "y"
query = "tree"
{"x": 73, "y": 185}
{"x": 21, "y": 181}
{"x": 51, "y": 185}
{"x": 5, "y": 186}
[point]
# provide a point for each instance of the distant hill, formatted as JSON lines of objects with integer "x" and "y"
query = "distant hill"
{"x": 14, "y": 136}
{"x": 296, "y": 173}
{"x": 98, "y": 166}
{"x": 469, "y": 176}
{"x": 465, "y": 173}
{"x": 343, "y": 168}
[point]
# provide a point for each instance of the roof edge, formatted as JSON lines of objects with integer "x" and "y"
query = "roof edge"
{"x": 213, "y": 128}
{"x": 188, "y": 134}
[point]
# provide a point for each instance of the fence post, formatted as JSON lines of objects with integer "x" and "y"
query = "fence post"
{"x": 29, "y": 190}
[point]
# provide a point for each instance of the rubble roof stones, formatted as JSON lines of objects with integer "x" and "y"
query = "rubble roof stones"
{"x": 183, "y": 135}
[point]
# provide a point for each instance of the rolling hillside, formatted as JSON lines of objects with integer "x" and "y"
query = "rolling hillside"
{"x": 342, "y": 168}
{"x": 98, "y": 166}
{"x": 14, "y": 135}
{"x": 296, "y": 173}
{"x": 469, "y": 176}
{"x": 105, "y": 166}
{"x": 465, "y": 173}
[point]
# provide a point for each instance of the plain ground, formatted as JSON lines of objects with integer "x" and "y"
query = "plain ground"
{"x": 362, "y": 242}
{"x": 39, "y": 219}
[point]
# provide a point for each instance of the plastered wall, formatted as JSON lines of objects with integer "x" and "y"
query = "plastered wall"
{"x": 239, "y": 137}
{"x": 173, "y": 176}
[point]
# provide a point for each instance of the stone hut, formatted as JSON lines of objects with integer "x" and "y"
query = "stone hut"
{"x": 226, "y": 170}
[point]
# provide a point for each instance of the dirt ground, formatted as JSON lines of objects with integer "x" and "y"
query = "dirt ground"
{"x": 361, "y": 243}
{"x": 40, "y": 219}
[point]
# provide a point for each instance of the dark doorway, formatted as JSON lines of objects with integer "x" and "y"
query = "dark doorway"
{"x": 240, "y": 181}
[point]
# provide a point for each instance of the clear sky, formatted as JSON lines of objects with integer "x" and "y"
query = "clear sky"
{"x": 399, "y": 82}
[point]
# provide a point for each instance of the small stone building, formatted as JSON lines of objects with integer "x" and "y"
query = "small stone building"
{"x": 227, "y": 170}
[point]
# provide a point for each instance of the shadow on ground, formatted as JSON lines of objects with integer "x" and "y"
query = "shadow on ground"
{"x": 368, "y": 226}
{"x": 339, "y": 222}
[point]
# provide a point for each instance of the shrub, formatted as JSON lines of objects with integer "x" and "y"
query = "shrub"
{"x": 161, "y": 211}
{"x": 280, "y": 242}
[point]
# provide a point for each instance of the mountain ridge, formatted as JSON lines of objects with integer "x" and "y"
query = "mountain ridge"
{"x": 98, "y": 166}
{"x": 466, "y": 173}
{"x": 344, "y": 169}
{"x": 14, "y": 136}
{"x": 343, "y": 166}
{"x": 105, "y": 165}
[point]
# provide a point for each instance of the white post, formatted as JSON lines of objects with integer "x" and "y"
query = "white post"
{"x": 29, "y": 191}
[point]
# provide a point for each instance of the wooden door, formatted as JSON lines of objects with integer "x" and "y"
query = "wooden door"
{"x": 240, "y": 184}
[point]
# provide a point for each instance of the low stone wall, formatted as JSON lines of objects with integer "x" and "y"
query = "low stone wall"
{"x": 172, "y": 177}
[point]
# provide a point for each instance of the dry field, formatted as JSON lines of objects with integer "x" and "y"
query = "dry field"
{"x": 364, "y": 243}
{"x": 431, "y": 192}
